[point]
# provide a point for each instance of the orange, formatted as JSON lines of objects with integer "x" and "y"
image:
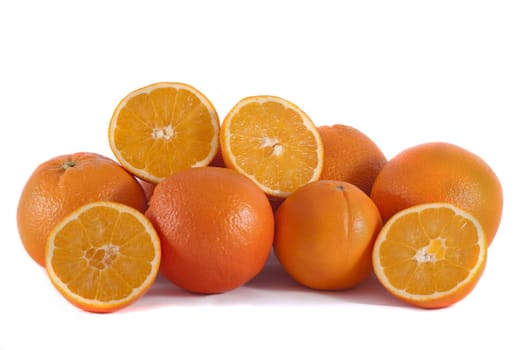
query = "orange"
{"x": 440, "y": 172}
{"x": 163, "y": 128}
{"x": 430, "y": 255}
{"x": 273, "y": 142}
{"x": 64, "y": 183}
{"x": 103, "y": 256}
{"x": 351, "y": 156}
{"x": 324, "y": 235}
{"x": 216, "y": 228}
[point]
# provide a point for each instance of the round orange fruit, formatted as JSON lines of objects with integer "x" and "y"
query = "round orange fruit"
{"x": 64, "y": 183}
{"x": 351, "y": 156}
{"x": 162, "y": 128}
{"x": 440, "y": 172}
{"x": 103, "y": 256}
{"x": 216, "y": 228}
{"x": 325, "y": 233}
{"x": 273, "y": 142}
{"x": 430, "y": 255}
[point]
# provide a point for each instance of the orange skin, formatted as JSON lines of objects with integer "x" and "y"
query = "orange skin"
{"x": 325, "y": 232}
{"x": 351, "y": 156}
{"x": 63, "y": 184}
{"x": 216, "y": 228}
{"x": 440, "y": 172}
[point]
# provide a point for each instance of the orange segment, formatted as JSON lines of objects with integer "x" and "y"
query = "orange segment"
{"x": 273, "y": 142}
{"x": 430, "y": 255}
{"x": 103, "y": 256}
{"x": 162, "y": 128}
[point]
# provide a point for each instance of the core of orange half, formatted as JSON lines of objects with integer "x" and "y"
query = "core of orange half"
{"x": 273, "y": 142}
{"x": 103, "y": 256}
{"x": 162, "y": 128}
{"x": 430, "y": 255}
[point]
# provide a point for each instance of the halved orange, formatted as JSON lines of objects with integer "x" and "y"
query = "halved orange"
{"x": 430, "y": 255}
{"x": 162, "y": 128}
{"x": 273, "y": 142}
{"x": 103, "y": 256}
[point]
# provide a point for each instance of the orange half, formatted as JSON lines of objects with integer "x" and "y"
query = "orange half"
{"x": 103, "y": 256}
{"x": 430, "y": 255}
{"x": 162, "y": 128}
{"x": 273, "y": 142}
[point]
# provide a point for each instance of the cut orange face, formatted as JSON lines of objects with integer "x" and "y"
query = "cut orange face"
{"x": 273, "y": 142}
{"x": 103, "y": 256}
{"x": 430, "y": 255}
{"x": 162, "y": 128}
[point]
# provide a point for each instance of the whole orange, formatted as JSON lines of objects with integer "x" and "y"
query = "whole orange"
{"x": 216, "y": 228}
{"x": 440, "y": 172}
{"x": 325, "y": 233}
{"x": 351, "y": 156}
{"x": 62, "y": 184}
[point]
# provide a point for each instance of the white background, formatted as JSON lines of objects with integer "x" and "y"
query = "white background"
{"x": 403, "y": 72}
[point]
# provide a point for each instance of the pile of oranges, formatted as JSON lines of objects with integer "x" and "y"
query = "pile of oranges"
{"x": 205, "y": 203}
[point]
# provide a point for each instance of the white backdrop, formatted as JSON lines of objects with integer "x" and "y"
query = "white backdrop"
{"x": 403, "y": 72}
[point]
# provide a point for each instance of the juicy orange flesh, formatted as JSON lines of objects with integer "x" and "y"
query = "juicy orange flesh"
{"x": 103, "y": 255}
{"x": 429, "y": 251}
{"x": 173, "y": 125}
{"x": 274, "y": 156}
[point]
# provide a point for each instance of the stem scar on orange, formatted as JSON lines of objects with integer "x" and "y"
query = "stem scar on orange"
{"x": 324, "y": 236}
{"x": 64, "y": 183}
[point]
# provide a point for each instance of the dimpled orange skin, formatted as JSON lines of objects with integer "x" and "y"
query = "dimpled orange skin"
{"x": 325, "y": 233}
{"x": 216, "y": 228}
{"x": 64, "y": 183}
{"x": 440, "y": 172}
{"x": 351, "y": 156}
